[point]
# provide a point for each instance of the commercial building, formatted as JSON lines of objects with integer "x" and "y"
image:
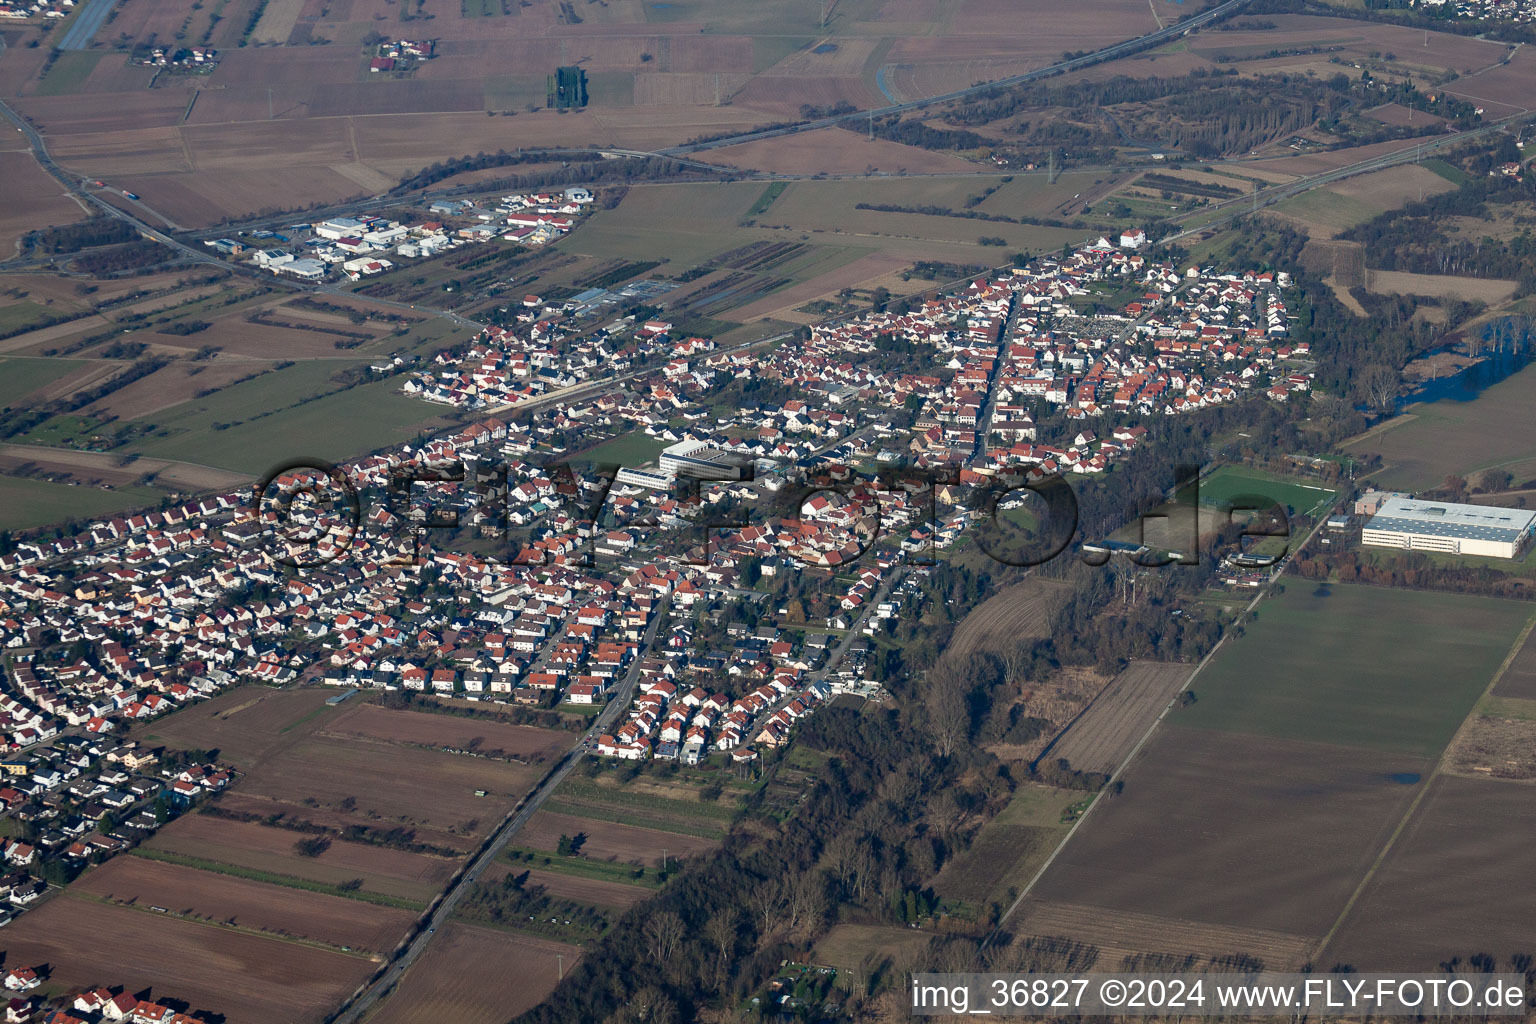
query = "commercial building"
{"x": 694, "y": 460}
{"x": 1416, "y": 525}
{"x": 698, "y": 460}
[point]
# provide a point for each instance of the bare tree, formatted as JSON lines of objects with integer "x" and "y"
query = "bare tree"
{"x": 652, "y": 1006}
{"x": 662, "y": 933}
{"x": 1381, "y": 384}
{"x": 721, "y": 931}
{"x": 767, "y": 901}
{"x": 945, "y": 698}
{"x": 807, "y": 901}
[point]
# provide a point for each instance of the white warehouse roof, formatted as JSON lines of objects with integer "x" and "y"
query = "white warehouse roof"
{"x": 1448, "y": 519}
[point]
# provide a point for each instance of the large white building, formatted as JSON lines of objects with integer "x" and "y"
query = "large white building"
{"x": 695, "y": 459}
{"x": 1416, "y": 525}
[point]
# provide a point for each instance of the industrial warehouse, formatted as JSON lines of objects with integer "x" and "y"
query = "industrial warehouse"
{"x": 1404, "y": 522}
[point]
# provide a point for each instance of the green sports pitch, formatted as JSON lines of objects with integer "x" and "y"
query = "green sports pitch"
{"x": 1228, "y": 483}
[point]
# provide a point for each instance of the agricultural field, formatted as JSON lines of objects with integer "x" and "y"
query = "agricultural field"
{"x": 249, "y": 906}
{"x": 1380, "y": 669}
{"x": 488, "y": 737}
{"x": 1104, "y": 734}
{"x": 20, "y": 377}
{"x": 284, "y": 413}
{"x": 246, "y": 978}
{"x": 1311, "y": 738}
{"x": 596, "y": 892}
{"x": 34, "y": 200}
{"x": 1490, "y": 291}
{"x": 253, "y": 847}
{"x": 241, "y": 380}
{"x": 1439, "y": 439}
{"x": 431, "y": 796}
{"x": 1449, "y": 887}
{"x": 1017, "y": 613}
{"x": 1121, "y": 939}
{"x": 1227, "y": 829}
{"x": 649, "y": 804}
{"x": 1519, "y": 678}
{"x": 476, "y": 975}
{"x": 295, "y": 769}
{"x": 1327, "y": 211}
{"x": 63, "y": 465}
{"x": 810, "y": 241}
{"x": 27, "y": 503}
{"x": 610, "y": 841}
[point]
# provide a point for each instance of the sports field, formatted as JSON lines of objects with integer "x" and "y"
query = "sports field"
{"x": 625, "y": 450}
{"x": 1391, "y": 670}
{"x": 1230, "y": 482}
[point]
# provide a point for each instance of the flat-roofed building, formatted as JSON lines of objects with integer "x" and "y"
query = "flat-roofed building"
{"x": 698, "y": 460}
{"x": 1416, "y": 525}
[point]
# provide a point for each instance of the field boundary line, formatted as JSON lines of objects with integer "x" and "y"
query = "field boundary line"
{"x": 296, "y": 940}
{"x": 1435, "y": 773}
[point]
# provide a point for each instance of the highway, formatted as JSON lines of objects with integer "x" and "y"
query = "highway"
{"x": 73, "y": 183}
{"x": 192, "y": 253}
{"x": 364, "y": 999}
{"x": 676, "y": 153}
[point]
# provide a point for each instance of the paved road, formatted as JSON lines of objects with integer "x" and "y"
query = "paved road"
{"x": 680, "y": 153}
{"x": 86, "y": 24}
{"x": 356, "y": 1007}
{"x": 1231, "y": 209}
{"x": 192, "y": 253}
{"x": 73, "y": 183}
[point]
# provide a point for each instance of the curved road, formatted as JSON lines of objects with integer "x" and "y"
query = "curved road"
{"x": 1230, "y": 209}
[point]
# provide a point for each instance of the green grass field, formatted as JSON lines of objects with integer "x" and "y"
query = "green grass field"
{"x": 1328, "y": 209}
{"x": 69, "y": 71}
{"x": 1394, "y": 670}
{"x": 16, "y": 315}
{"x": 28, "y": 503}
{"x": 1229, "y": 482}
{"x": 337, "y": 426}
{"x": 20, "y": 377}
{"x": 1450, "y": 172}
{"x": 636, "y": 805}
{"x": 627, "y": 450}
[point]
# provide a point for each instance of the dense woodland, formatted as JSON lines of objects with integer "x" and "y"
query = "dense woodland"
{"x": 1203, "y": 114}
{"x": 884, "y": 813}
{"x": 83, "y": 235}
{"x": 1417, "y": 238}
